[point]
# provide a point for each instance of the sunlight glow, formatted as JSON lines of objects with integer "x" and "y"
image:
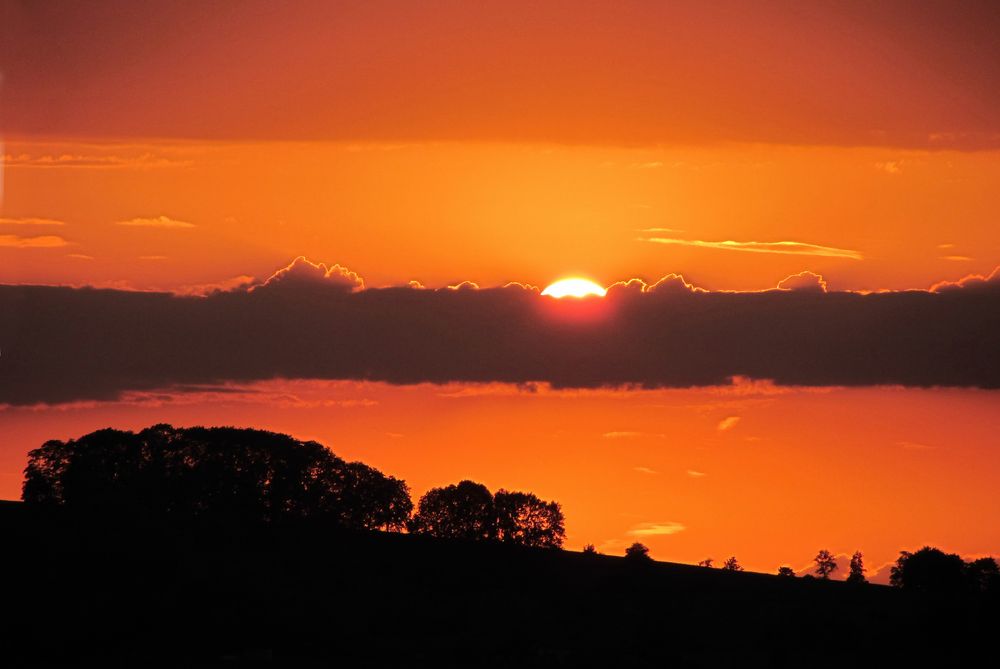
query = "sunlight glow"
{"x": 574, "y": 287}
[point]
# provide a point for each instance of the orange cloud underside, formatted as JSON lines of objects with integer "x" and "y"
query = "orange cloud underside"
{"x": 875, "y": 469}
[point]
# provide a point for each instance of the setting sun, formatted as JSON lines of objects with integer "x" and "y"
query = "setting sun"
{"x": 574, "y": 287}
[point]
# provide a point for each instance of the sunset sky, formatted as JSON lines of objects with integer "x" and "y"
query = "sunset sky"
{"x": 198, "y": 149}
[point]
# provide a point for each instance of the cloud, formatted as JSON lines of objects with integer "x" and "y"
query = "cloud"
{"x": 303, "y": 272}
{"x": 957, "y": 258}
{"x": 645, "y": 470}
{"x": 40, "y": 242}
{"x": 695, "y": 474}
{"x": 79, "y": 256}
{"x": 314, "y": 321}
{"x": 803, "y": 281}
{"x": 890, "y": 166}
{"x": 655, "y": 529}
{"x": 73, "y": 160}
{"x": 727, "y": 423}
{"x": 782, "y": 248}
{"x": 971, "y": 282}
{"x": 30, "y": 221}
{"x": 627, "y": 434}
{"x": 156, "y": 222}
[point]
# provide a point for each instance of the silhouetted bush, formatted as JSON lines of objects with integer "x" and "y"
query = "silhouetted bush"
{"x": 732, "y": 564}
{"x": 219, "y": 473}
{"x": 786, "y": 572}
{"x": 638, "y": 551}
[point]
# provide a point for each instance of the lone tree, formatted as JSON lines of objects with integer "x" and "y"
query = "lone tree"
{"x": 222, "y": 473}
{"x": 463, "y": 510}
{"x": 707, "y": 563}
{"x": 590, "y": 549}
{"x": 857, "y": 568}
{"x": 786, "y": 572}
{"x": 826, "y": 564}
{"x": 525, "y": 520}
{"x": 638, "y": 552}
{"x": 732, "y": 564}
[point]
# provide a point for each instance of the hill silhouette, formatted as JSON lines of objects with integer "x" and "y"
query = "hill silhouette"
{"x": 220, "y": 546}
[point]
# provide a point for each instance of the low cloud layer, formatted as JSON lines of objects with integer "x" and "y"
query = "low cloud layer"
{"x": 60, "y": 344}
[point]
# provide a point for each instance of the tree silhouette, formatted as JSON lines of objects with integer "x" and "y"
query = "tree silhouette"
{"x": 929, "y": 569}
{"x": 224, "y": 474}
{"x": 826, "y": 564}
{"x": 984, "y": 575}
{"x": 732, "y": 564}
{"x": 525, "y": 520}
{"x": 590, "y": 549}
{"x": 786, "y": 572}
{"x": 857, "y": 568}
{"x": 638, "y": 552}
{"x": 707, "y": 563}
{"x": 459, "y": 511}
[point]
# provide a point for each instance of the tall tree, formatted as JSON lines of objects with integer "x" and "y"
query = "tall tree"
{"x": 857, "y": 569}
{"x": 826, "y": 564}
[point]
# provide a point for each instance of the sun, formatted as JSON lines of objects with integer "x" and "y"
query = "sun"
{"x": 574, "y": 287}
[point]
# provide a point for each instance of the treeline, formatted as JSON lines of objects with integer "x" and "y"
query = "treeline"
{"x": 226, "y": 474}
{"x": 235, "y": 475}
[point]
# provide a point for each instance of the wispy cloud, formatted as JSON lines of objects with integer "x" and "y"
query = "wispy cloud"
{"x": 76, "y": 160}
{"x": 628, "y": 434}
{"x": 957, "y": 258}
{"x": 695, "y": 474}
{"x": 914, "y": 446}
{"x": 656, "y": 529}
{"x": 152, "y": 257}
{"x": 781, "y": 248}
{"x": 890, "y": 166}
{"x": 654, "y": 230}
{"x": 30, "y": 221}
{"x": 156, "y": 222}
{"x": 727, "y": 423}
{"x": 79, "y": 256}
{"x": 645, "y": 470}
{"x": 40, "y": 242}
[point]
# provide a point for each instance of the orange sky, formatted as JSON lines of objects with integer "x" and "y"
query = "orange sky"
{"x": 179, "y": 146}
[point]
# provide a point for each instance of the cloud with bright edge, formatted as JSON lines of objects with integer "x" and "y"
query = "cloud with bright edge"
{"x": 805, "y": 280}
{"x": 303, "y": 271}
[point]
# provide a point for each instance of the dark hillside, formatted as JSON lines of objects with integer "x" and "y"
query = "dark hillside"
{"x": 312, "y": 596}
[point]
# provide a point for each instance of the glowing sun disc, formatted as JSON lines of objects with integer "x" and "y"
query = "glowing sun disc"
{"x": 574, "y": 288}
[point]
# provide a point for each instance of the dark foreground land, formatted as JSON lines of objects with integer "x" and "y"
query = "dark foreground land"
{"x": 127, "y": 595}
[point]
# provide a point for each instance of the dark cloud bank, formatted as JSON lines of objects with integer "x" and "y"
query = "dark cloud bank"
{"x": 62, "y": 344}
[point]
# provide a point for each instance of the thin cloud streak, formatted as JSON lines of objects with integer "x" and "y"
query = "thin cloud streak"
{"x": 656, "y": 529}
{"x": 155, "y": 222}
{"x": 41, "y": 242}
{"x": 30, "y": 221}
{"x": 781, "y": 248}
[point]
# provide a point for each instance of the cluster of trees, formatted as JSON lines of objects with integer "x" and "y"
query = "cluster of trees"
{"x": 244, "y": 475}
{"x": 467, "y": 510}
